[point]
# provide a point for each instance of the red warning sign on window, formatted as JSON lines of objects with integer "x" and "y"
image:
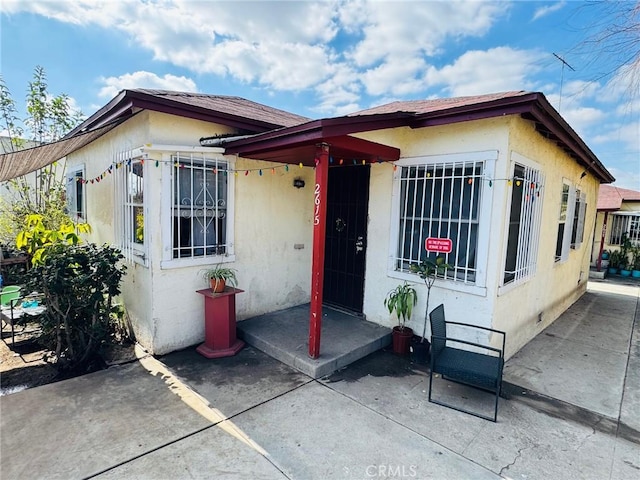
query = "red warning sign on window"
{"x": 440, "y": 245}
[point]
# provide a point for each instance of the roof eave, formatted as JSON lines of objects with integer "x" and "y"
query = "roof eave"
{"x": 546, "y": 115}
{"x": 127, "y": 101}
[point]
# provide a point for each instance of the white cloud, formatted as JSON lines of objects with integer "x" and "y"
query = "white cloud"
{"x": 547, "y": 9}
{"x": 398, "y": 76}
{"x": 288, "y": 46}
{"x": 582, "y": 118}
{"x": 419, "y": 28}
{"x": 494, "y": 70}
{"x": 112, "y": 85}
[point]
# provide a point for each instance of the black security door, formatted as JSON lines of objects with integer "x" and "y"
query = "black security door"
{"x": 346, "y": 237}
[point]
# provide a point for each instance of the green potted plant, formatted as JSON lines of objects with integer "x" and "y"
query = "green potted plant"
{"x": 635, "y": 267}
{"x": 401, "y": 300}
{"x": 626, "y": 247}
{"x": 428, "y": 270}
{"x": 219, "y": 276}
{"x": 615, "y": 261}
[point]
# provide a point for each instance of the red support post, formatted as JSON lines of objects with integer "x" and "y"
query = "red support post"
{"x": 602, "y": 238}
{"x": 319, "y": 230}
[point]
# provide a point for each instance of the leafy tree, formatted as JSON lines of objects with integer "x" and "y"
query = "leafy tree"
{"x": 48, "y": 119}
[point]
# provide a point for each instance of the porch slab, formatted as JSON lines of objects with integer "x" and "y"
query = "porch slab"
{"x": 284, "y": 335}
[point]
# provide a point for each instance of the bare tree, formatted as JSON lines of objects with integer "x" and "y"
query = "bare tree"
{"x": 611, "y": 45}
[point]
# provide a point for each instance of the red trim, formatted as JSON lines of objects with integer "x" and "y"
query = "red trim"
{"x": 319, "y": 230}
{"x": 602, "y": 237}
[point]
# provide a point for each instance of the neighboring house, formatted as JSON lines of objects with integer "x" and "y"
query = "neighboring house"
{"x": 502, "y": 176}
{"x": 618, "y": 213}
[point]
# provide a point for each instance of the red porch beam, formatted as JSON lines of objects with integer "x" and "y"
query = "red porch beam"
{"x": 319, "y": 230}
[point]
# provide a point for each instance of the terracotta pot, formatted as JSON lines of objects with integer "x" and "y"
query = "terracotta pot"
{"x": 401, "y": 340}
{"x": 217, "y": 285}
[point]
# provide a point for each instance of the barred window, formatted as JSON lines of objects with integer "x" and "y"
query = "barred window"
{"x": 130, "y": 218}
{"x": 199, "y": 206}
{"x": 622, "y": 223}
{"x": 524, "y": 224}
{"x": 440, "y": 200}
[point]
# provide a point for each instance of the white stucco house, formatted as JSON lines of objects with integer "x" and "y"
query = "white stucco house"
{"x": 336, "y": 210}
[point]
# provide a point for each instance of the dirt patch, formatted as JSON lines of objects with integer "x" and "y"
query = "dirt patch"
{"x": 23, "y": 364}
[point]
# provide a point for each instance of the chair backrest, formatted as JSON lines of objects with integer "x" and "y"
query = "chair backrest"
{"x": 438, "y": 328}
{"x": 9, "y": 293}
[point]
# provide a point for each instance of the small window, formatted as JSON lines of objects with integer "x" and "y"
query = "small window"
{"x": 524, "y": 224}
{"x": 622, "y": 223}
{"x": 577, "y": 234}
{"x": 130, "y": 217}
{"x": 565, "y": 223}
{"x": 199, "y": 206}
{"x": 75, "y": 193}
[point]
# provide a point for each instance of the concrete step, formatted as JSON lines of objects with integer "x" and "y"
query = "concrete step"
{"x": 284, "y": 335}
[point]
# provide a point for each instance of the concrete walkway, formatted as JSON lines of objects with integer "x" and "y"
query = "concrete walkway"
{"x": 573, "y": 412}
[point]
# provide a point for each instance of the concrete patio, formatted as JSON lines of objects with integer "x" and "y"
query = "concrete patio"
{"x": 250, "y": 416}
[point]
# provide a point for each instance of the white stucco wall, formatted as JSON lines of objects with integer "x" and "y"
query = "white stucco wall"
{"x": 272, "y": 229}
{"x": 273, "y": 232}
{"x": 459, "y": 299}
{"x": 525, "y": 310}
{"x": 516, "y": 310}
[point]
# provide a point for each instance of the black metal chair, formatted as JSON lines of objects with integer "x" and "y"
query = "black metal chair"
{"x": 472, "y": 368}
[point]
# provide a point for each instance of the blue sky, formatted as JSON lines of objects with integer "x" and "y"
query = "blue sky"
{"x": 327, "y": 58}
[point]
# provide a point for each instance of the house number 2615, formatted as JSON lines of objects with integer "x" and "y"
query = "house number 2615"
{"x": 316, "y": 201}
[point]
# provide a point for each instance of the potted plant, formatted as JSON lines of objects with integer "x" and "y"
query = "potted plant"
{"x": 626, "y": 247}
{"x": 428, "y": 270}
{"x": 615, "y": 261}
{"x": 635, "y": 272}
{"x": 401, "y": 300}
{"x": 219, "y": 276}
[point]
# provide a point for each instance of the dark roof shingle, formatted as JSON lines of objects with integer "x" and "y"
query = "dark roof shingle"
{"x": 437, "y": 104}
{"x": 237, "y": 106}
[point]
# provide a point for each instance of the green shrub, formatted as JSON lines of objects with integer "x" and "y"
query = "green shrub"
{"x": 78, "y": 284}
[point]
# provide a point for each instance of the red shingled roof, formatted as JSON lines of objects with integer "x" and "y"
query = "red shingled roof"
{"x": 611, "y": 198}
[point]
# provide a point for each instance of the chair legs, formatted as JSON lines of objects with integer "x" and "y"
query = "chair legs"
{"x": 493, "y": 418}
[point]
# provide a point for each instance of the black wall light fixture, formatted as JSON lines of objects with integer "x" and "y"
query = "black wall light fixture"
{"x": 298, "y": 182}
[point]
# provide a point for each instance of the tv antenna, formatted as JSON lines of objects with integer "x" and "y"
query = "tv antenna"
{"x": 564, "y": 62}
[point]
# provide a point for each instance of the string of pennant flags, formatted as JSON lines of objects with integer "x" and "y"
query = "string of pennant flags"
{"x": 515, "y": 180}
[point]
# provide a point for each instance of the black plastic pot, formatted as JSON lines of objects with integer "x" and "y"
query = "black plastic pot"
{"x": 420, "y": 351}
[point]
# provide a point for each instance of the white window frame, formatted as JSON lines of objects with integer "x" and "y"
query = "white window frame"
{"x": 620, "y": 223}
{"x": 580, "y": 210}
{"x": 456, "y": 280}
{"x": 565, "y": 218}
{"x": 213, "y": 156}
{"x": 75, "y": 182}
{"x": 128, "y": 205}
{"x": 529, "y": 221}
